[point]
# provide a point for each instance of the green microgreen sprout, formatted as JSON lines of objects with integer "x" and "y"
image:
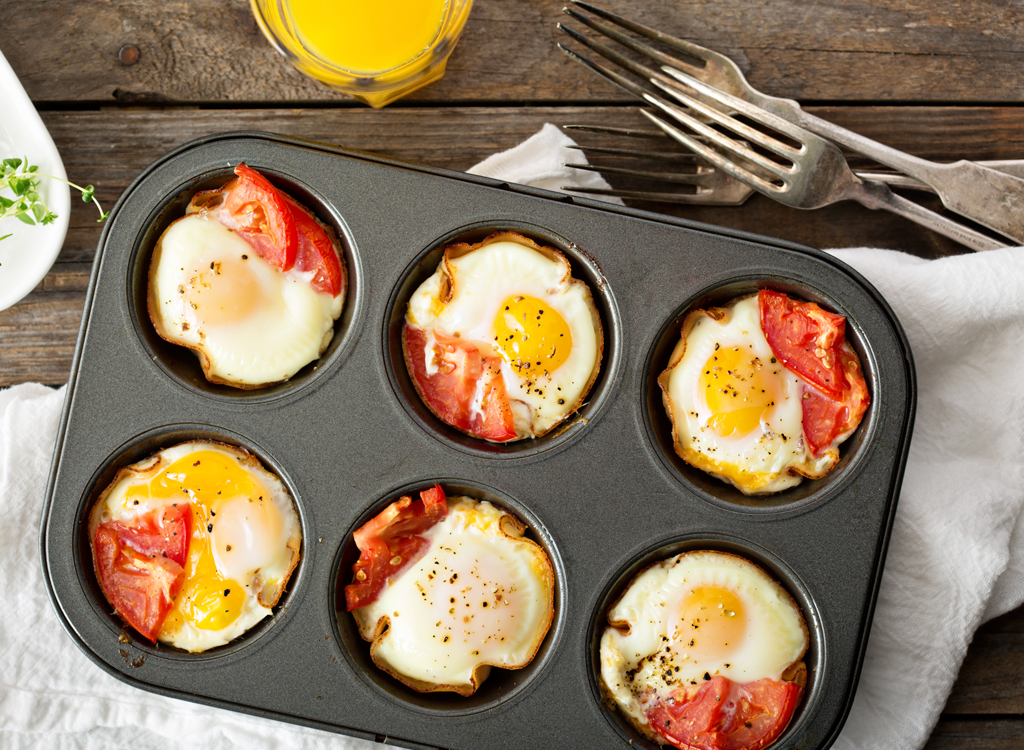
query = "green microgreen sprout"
{"x": 26, "y": 205}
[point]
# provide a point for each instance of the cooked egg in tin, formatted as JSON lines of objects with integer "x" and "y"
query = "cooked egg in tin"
{"x": 692, "y": 619}
{"x": 514, "y": 306}
{"x": 480, "y": 596}
{"x": 250, "y": 280}
{"x": 250, "y": 323}
{"x": 737, "y": 412}
{"x": 242, "y": 547}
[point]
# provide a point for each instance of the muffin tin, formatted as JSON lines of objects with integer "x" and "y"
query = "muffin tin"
{"x": 604, "y": 494}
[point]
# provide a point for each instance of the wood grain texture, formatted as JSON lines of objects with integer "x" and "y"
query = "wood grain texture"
{"x": 991, "y": 679}
{"x": 996, "y": 734}
{"x": 825, "y": 50}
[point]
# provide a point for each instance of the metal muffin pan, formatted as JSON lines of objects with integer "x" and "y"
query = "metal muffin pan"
{"x": 605, "y": 495}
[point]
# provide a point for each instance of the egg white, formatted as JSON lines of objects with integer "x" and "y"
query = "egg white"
{"x": 772, "y": 457}
{"x": 478, "y": 283}
{"x": 263, "y": 535}
{"x": 481, "y": 596}
{"x": 643, "y": 657}
{"x": 197, "y": 264}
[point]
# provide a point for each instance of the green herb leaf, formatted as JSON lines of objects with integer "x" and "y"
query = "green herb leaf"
{"x": 27, "y": 205}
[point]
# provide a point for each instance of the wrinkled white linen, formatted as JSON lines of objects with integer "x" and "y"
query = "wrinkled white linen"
{"x": 951, "y": 564}
{"x": 540, "y": 161}
{"x": 956, "y": 557}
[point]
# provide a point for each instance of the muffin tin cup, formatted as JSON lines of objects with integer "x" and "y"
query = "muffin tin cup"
{"x": 502, "y": 685}
{"x": 346, "y": 436}
{"x": 659, "y": 426}
{"x": 182, "y": 364}
{"x": 137, "y": 449}
{"x": 774, "y": 567}
{"x": 575, "y": 424}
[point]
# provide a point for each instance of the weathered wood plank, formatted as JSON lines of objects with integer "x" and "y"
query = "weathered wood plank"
{"x": 845, "y": 50}
{"x": 37, "y": 337}
{"x": 993, "y": 734}
{"x": 991, "y": 680}
{"x": 109, "y": 148}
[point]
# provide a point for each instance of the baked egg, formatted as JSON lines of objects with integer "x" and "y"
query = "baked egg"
{"x": 501, "y": 342}
{"x": 195, "y": 544}
{"x": 705, "y": 645}
{"x": 739, "y": 413}
{"x": 477, "y": 594}
{"x": 254, "y": 298}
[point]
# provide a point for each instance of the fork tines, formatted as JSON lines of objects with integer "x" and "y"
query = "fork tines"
{"x": 699, "y": 183}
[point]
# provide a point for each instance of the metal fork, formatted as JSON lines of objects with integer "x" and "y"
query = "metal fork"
{"x": 710, "y": 190}
{"x": 816, "y": 174}
{"x": 989, "y": 197}
{"x": 710, "y": 186}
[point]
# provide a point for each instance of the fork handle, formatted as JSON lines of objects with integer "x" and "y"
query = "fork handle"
{"x": 875, "y": 195}
{"x": 987, "y": 196}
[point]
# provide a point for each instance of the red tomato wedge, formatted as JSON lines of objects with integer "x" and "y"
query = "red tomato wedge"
{"x": 390, "y": 542}
{"x": 139, "y": 567}
{"x": 316, "y": 251}
{"x": 825, "y": 419}
{"x": 466, "y": 389}
{"x": 723, "y": 715}
{"x": 812, "y": 343}
{"x": 257, "y": 211}
{"x": 805, "y": 338}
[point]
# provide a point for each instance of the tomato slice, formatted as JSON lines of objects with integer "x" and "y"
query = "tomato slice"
{"x": 465, "y": 389}
{"x": 772, "y": 704}
{"x": 257, "y": 211}
{"x": 724, "y": 715}
{"x": 162, "y": 533}
{"x": 824, "y": 419}
{"x": 390, "y": 542}
{"x": 316, "y": 251}
{"x": 139, "y": 567}
{"x": 805, "y": 338}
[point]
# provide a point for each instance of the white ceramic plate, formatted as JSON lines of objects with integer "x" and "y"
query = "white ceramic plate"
{"x": 27, "y": 255}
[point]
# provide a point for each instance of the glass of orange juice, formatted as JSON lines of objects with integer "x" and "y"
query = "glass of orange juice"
{"x": 373, "y": 50}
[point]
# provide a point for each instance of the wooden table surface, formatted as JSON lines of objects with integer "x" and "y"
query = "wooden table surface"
{"x": 941, "y": 80}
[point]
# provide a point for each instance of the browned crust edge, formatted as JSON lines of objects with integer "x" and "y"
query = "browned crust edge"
{"x": 482, "y": 670}
{"x": 202, "y": 202}
{"x": 459, "y": 249}
{"x": 152, "y": 464}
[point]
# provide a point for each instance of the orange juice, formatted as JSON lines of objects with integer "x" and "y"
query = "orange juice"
{"x": 367, "y": 36}
{"x": 374, "y": 50}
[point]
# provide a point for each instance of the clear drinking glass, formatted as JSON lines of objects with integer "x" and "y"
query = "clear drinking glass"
{"x": 373, "y": 50}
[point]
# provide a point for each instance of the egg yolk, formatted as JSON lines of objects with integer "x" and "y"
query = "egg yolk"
{"x": 207, "y": 480}
{"x": 709, "y": 623}
{"x": 531, "y": 335}
{"x": 225, "y": 292}
{"x": 736, "y": 389}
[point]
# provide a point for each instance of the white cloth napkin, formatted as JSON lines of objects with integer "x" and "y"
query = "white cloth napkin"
{"x": 956, "y": 557}
{"x": 540, "y": 161}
